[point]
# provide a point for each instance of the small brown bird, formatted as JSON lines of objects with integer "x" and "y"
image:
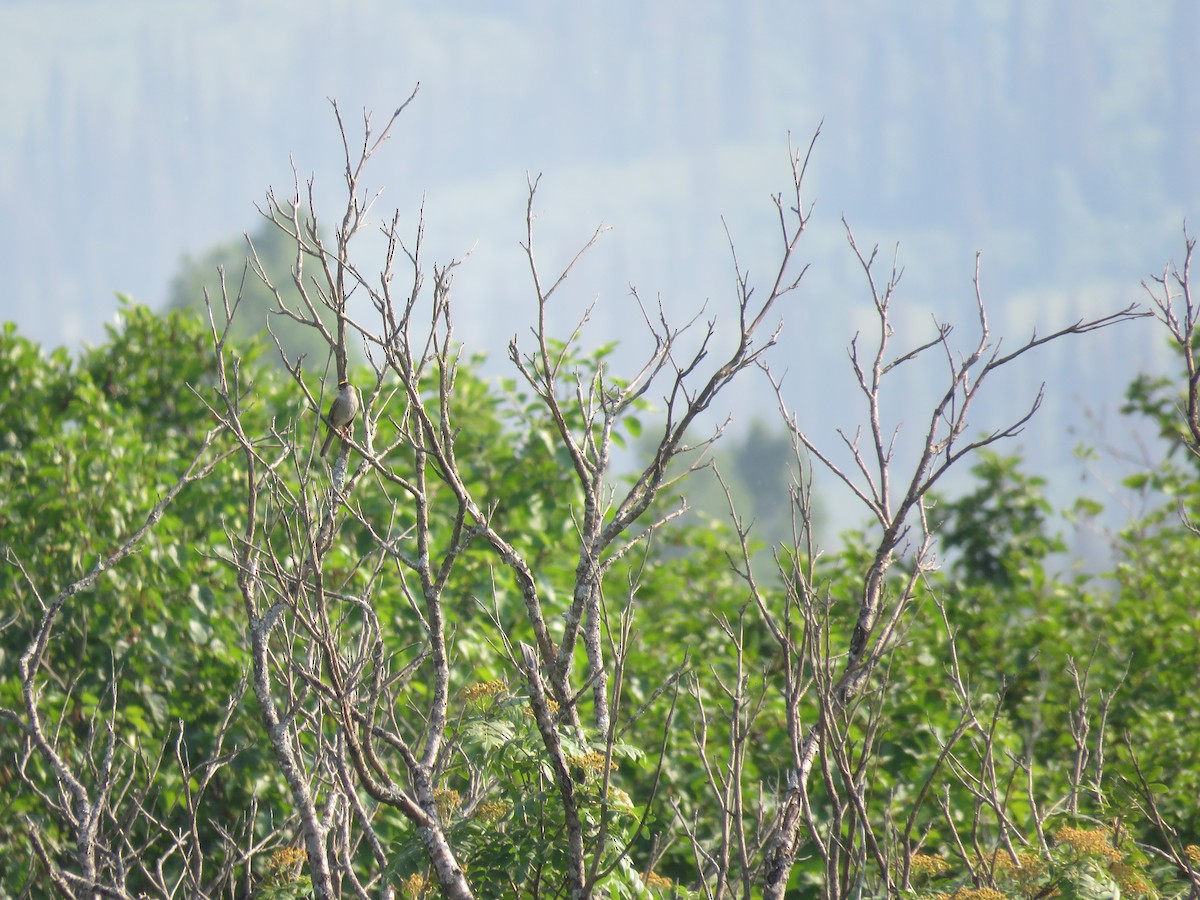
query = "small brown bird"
{"x": 341, "y": 413}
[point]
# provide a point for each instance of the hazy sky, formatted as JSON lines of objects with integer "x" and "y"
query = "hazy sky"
{"x": 138, "y": 131}
{"x": 1058, "y": 137}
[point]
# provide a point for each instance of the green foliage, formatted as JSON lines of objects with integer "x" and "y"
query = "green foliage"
{"x": 88, "y": 445}
{"x": 1059, "y": 667}
{"x": 996, "y": 533}
{"x": 513, "y": 837}
{"x": 1150, "y": 625}
{"x": 102, "y": 436}
{"x": 1159, "y": 400}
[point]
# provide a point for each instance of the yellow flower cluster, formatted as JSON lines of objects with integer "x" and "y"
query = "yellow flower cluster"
{"x": 1131, "y": 882}
{"x": 550, "y": 702}
{"x": 447, "y": 801}
{"x": 591, "y": 762}
{"x": 414, "y": 885}
{"x": 1088, "y": 842}
{"x": 482, "y": 691}
{"x": 657, "y": 882}
{"x": 926, "y": 865}
{"x": 1193, "y": 854}
{"x": 978, "y": 893}
{"x": 1029, "y": 867}
{"x": 490, "y": 811}
{"x": 285, "y": 858}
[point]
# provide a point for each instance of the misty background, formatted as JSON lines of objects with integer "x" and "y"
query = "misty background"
{"x": 1061, "y": 138}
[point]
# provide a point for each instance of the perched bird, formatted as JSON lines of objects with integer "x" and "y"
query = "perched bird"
{"x": 341, "y": 413}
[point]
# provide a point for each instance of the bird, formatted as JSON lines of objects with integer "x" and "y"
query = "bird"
{"x": 341, "y": 412}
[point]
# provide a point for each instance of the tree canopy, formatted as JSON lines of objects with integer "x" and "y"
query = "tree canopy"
{"x": 466, "y": 656}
